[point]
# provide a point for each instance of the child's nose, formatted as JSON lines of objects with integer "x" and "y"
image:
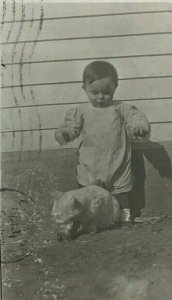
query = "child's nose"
{"x": 100, "y": 95}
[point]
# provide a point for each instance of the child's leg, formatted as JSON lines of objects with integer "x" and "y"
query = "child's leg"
{"x": 123, "y": 200}
{"x": 131, "y": 204}
{"x": 124, "y": 203}
{"x": 137, "y": 200}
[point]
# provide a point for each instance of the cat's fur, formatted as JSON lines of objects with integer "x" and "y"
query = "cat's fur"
{"x": 90, "y": 209}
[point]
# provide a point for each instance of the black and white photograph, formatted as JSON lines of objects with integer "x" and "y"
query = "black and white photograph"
{"x": 86, "y": 150}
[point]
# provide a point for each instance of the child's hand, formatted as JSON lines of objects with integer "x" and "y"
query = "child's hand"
{"x": 140, "y": 131}
{"x": 59, "y": 137}
{"x": 100, "y": 183}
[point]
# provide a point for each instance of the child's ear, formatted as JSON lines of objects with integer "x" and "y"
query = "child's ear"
{"x": 83, "y": 86}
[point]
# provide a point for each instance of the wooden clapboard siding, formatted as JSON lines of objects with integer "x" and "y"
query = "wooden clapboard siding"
{"x": 46, "y": 47}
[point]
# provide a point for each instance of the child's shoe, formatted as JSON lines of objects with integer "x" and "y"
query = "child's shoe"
{"x": 135, "y": 216}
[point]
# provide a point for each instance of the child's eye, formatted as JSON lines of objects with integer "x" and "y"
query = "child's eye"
{"x": 106, "y": 93}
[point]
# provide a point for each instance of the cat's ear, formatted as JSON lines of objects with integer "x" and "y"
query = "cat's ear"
{"x": 76, "y": 205}
{"x": 57, "y": 195}
{"x": 98, "y": 203}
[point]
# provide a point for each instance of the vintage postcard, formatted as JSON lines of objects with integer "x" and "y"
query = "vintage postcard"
{"x": 86, "y": 150}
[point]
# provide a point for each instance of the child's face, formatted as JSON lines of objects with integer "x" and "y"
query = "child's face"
{"x": 100, "y": 92}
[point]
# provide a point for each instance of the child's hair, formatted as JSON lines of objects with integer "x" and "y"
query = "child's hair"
{"x": 99, "y": 69}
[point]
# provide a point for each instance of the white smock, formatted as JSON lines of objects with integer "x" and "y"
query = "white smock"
{"x": 105, "y": 151}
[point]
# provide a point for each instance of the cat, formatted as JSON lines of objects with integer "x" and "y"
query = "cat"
{"x": 88, "y": 209}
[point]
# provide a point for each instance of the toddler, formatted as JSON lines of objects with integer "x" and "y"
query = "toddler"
{"x": 106, "y": 126}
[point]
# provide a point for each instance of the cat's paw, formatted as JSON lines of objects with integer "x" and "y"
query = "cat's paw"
{"x": 92, "y": 228}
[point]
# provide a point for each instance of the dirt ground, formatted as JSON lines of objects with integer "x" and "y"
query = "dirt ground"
{"x": 133, "y": 263}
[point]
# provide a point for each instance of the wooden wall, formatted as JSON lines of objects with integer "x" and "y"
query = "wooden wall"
{"x": 45, "y": 47}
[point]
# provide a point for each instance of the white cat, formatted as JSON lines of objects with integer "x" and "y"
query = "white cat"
{"x": 87, "y": 209}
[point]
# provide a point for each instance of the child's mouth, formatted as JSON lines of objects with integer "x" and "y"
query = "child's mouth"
{"x": 101, "y": 104}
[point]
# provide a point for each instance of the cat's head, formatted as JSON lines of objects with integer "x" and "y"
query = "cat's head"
{"x": 66, "y": 210}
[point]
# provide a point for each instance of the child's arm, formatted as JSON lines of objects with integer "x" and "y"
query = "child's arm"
{"x": 71, "y": 127}
{"x": 136, "y": 121}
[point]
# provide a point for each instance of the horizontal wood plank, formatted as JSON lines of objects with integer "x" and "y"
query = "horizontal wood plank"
{"x": 59, "y": 10}
{"x": 107, "y": 25}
